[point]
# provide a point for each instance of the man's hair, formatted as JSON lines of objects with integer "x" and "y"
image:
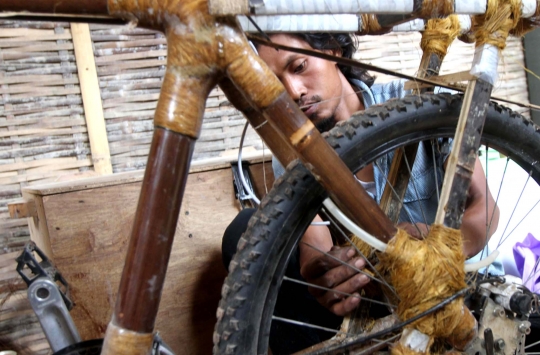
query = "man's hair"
{"x": 341, "y": 42}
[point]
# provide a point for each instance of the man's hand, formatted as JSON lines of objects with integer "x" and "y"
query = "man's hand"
{"x": 325, "y": 271}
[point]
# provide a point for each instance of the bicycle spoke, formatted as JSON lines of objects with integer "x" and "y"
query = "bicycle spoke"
{"x": 500, "y": 189}
{"x": 401, "y": 200}
{"x": 503, "y": 238}
{"x": 532, "y": 208}
{"x": 336, "y": 291}
{"x": 362, "y": 254}
{"x": 415, "y": 189}
{"x": 531, "y": 345}
{"x": 342, "y": 262}
{"x": 291, "y": 321}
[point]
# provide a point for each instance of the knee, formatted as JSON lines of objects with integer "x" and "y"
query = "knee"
{"x": 233, "y": 233}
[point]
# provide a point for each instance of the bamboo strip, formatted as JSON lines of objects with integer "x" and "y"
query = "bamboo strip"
{"x": 34, "y": 59}
{"x": 45, "y": 151}
{"x": 23, "y": 32}
{"x": 29, "y": 141}
{"x": 106, "y": 38}
{"x": 52, "y": 122}
{"x": 34, "y": 177}
{"x": 37, "y": 132}
{"x": 23, "y": 40}
{"x": 32, "y": 24}
{"x": 48, "y": 81}
{"x": 136, "y": 55}
{"x": 158, "y": 73}
{"x": 125, "y": 30}
{"x": 135, "y": 98}
{"x": 104, "y": 70}
{"x": 42, "y": 48}
{"x": 91, "y": 98}
{"x": 116, "y": 94}
{"x": 57, "y": 70}
{"x": 134, "y": 43}
{"x": 43, "y": 91}
{"x": 28, "y": 79}
{"x": 112, "y": 51}
{"x": 45, "y": 104}
{"x": 34, "y": 164}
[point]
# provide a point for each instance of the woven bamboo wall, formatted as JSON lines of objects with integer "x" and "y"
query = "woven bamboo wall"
{"x": 42, "y": 124}
{"x": 401, "y": 52}
{"x": 130, "y": 66}
{"x": 44, "y": 136}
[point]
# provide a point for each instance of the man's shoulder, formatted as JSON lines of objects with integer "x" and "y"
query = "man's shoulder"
{"x": 390, "y": 90}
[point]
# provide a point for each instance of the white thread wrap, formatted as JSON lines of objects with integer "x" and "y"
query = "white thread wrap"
{"x": 302, "y": 23}
{"x": 414, "y": 25}
{"x": 470, "y": 7}
{"x": 485, "y": 63}
{"x": 287, "y": 7}
{"x": 465, "y": 23}
{"x": 528, "y": 8}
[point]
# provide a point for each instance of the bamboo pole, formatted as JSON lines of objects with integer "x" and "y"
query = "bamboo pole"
{"x": 91, "y": 96}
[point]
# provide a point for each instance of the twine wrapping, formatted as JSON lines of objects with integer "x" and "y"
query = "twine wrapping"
{"x": 370, "y": 24}
{"x": 424, "y": 273}
{"x": 494, "y": 26}
{"x": 436, "y": 8}
{"x": 439, "y": 34}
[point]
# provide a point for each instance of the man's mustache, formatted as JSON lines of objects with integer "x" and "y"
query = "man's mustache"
{"x": 305, "y": 102}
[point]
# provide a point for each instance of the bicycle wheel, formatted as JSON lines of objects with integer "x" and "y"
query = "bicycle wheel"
{"x": 249, "y": 294}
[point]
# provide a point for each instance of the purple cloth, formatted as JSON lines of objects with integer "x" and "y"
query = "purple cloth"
{"x": 526, "y": 255}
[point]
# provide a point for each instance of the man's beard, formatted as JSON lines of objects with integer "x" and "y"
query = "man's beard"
{"x": 323, "y": 125}
{"x": 326, "y": 124}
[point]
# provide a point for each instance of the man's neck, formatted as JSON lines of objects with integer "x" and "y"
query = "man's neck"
{"x": 352, "y": 100}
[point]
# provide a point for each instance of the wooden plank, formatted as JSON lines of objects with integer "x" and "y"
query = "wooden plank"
{"x": 22, "y": 209}
{"x": 136, "y": 176}
{"x": 89, "y": 239}
{"x": 38, "y": 227}
{"x": 91, "y": 98}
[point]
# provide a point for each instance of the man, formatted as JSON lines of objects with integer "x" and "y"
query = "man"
{"x": 329, "y": 93}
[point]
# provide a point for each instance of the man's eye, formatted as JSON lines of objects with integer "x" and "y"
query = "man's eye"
{"x": 301, "y": 67}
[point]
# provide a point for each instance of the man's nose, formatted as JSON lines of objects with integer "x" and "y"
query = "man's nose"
{"x": 295, "y": 88}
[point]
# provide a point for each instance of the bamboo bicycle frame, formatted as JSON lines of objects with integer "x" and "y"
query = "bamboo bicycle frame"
{"x": 205, "y": 50}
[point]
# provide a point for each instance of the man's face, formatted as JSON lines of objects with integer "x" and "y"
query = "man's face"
{"x": 315, "y": 84}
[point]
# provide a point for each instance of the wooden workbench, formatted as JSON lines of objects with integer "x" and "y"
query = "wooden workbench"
{"x": 84, "y": 227}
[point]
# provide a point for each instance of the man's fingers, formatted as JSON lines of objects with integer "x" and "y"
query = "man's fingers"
{"x": 318, "y": 266}
{"x": 346, "y": 306}
{"x": 350, "y": 286}
{"x": 340, "y": 274}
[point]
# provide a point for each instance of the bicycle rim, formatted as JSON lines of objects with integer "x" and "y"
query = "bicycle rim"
{"x": 256, "y": 273}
